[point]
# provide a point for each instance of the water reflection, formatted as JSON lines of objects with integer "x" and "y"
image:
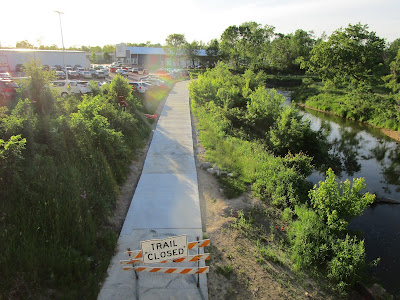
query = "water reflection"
{"x": 357, "y": 150}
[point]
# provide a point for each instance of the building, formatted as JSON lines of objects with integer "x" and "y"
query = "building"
{"x": 148, "y": 56}
{"x": 10, "y": 58}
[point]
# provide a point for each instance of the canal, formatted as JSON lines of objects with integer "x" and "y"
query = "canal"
{"x": 363, "y": 151}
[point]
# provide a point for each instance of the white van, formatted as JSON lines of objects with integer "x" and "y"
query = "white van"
{"x": 70, "y": 87}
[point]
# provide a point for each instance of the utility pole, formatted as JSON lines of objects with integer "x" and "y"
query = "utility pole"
{"x": 62, "y": 40}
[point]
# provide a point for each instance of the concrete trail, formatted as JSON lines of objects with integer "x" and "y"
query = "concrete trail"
{"x": 165, "y": 203}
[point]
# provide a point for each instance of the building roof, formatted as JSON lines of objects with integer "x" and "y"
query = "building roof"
{"x": 38, "y": 50}
{"x": 146, "y": 50}
{"x": 158, "y": 51}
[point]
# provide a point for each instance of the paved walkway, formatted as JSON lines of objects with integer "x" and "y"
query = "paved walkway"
{"x": 165, "y": 203}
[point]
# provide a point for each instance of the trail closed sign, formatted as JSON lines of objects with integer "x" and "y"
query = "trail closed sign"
{"x": 160, "y": 250}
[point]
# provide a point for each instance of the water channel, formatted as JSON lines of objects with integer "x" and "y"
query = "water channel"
{"x": 364, "y": 151}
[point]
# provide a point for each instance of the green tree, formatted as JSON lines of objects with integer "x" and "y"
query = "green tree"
{"x": 279, "y": 53}
{"x": 391, "y": 52}
{"x": 93, "y": 57}
{"x": 52, "y": 47}
{"x": 106, "y": 57}
{"x": 36, "y": 87}
{"x": 319, "y": 236}
{"x": 351, "y": 55}
{"x": 393, "y": 79}
{"x": 336, "y": 204}
{"x": 108, "y": 48}
{"x": 244, "y": 45}
{"x": 192, "y": 51}
{"x": 213, "y": 52}
{"x": 24, "y": 44}
{"x": 175, "y": 47}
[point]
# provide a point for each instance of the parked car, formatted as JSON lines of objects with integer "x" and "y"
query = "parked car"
{"x": 76, "y": 67}
{"x": 122, "y": 72}
{"x": 138, "y": 87}
{"x": 60, "y": 75}
{"x": 86, "y": 74}
{"x": 58, "y": 67}
{"x": 8, "y": 89}
{"x": 105, "y": 71}
{"x": 70, "y": 87}
{"x": 98, "y": 74}
{"x": 80, "y": 71}
{"x": 46, "y": 68}
{"x": 92, "y": 71}
{"x": 5, "y": 75}
{"x": 73, "y": 74}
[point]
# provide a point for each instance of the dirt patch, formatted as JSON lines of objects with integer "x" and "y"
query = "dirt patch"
{"x": 391, "y": 133}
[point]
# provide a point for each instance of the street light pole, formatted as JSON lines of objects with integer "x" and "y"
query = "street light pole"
{"x": 62, "y": 40}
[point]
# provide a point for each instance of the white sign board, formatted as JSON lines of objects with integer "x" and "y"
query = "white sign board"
{"x": 169, "y": 248}
{"x": 120, "y": 50}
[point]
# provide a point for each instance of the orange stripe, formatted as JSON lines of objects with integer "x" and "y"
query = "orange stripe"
{"x": 155, "y": 269}
{"x": 170, "y": 270}
{"x": 191, "y": 245}
{"x": 201, "y": 270}
{"x": 206, "y": 243}
{"x": 196, "y": 258}
{"x": 185, "y": 271}
{"x": 140, "y": 269}
{"x": 179, "y": 259}
{"x": 127, "y": 268}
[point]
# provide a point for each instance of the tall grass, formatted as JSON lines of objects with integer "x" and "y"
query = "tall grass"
{"x": 255, "y": 142}
{"x": 59, "y": 175}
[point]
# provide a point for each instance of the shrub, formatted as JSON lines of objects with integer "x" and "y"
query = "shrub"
{"x": 319, "y": 235}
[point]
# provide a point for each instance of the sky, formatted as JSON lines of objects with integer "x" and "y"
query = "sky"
{"x": 97, "y": 23}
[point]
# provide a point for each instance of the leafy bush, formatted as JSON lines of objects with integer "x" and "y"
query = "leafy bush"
{"x": 319, "y": 235}
{"x": 256, "y": 143}
{"x": 61, "y": 161}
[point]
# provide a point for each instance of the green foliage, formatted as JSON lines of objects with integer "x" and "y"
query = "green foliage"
{"x": 24, "y": 44}
{"x": 264, "y": 108}
{"x": 60, "y": 166}
{"x": 289, "y": 132}
{"x": 120, "y": 88}
{"x": 335, "y": 206}
{"x": 36, "y": 87}
{"x": 319, "y": 235}
{"x": 351, "y": 55}
{"x": 392, "y": 80}
{"x": 243, "y": 46}
{"x": 213, "y": 52}
{"x": 230, "y": 133}
{"x": 348, "y": 262}
{"x": 233, "y": 187}
{"x": 11, "y": 159}
{"x": 174, "y": 47}
{"x": 225, "y": 270}
{"x": 375, "y": 109}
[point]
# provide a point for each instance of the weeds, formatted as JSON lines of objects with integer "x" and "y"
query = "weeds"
{"x": 61, "y": 161}
{"x": 226, "y": 270}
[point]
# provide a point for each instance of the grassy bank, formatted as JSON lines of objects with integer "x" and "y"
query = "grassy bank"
{"x": 261, "y": 144}
{"x": 379, "y": 109}
{"x": 61, "y": 163}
